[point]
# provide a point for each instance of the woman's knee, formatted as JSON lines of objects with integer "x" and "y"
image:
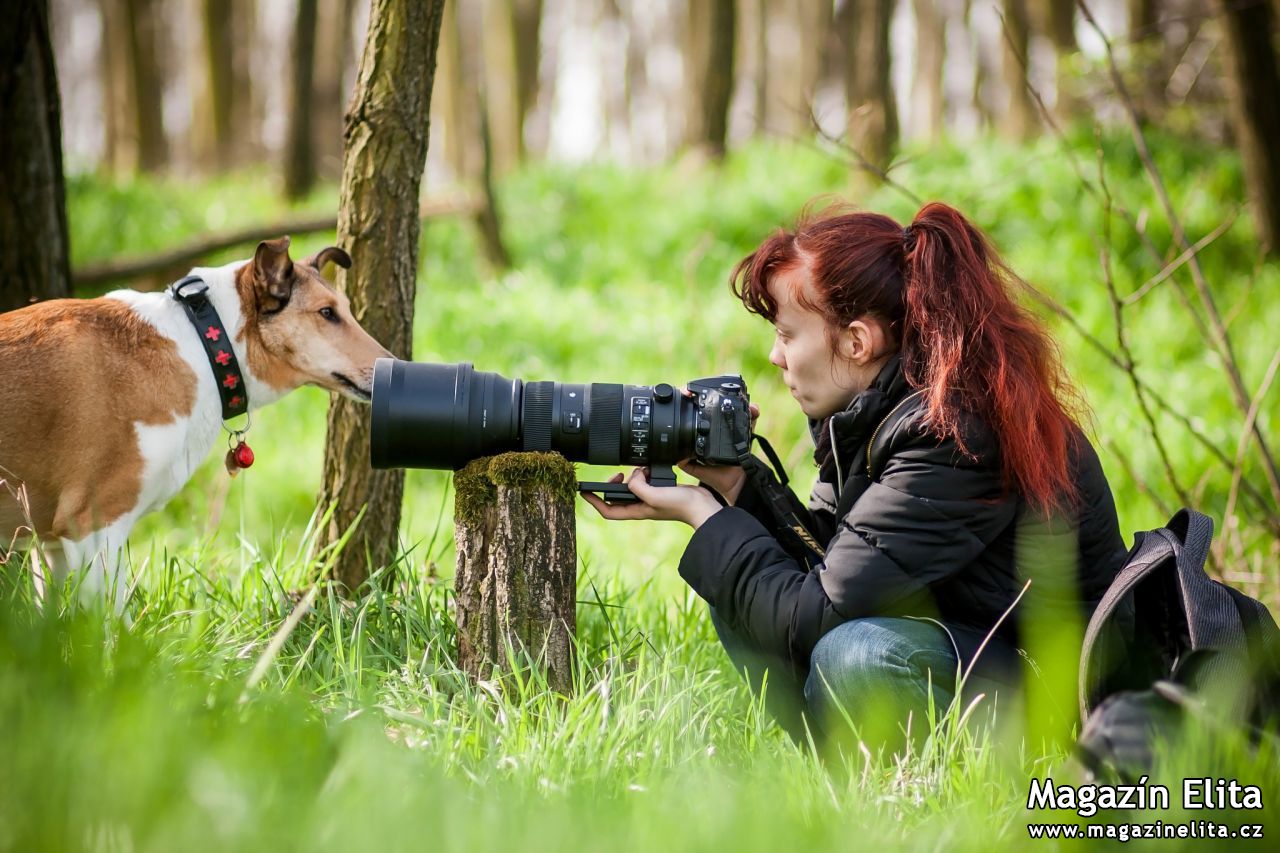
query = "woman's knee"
{"x": 880, "y": 660}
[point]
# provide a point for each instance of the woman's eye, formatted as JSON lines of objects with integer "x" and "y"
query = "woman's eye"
{"x": 329, "y": 314}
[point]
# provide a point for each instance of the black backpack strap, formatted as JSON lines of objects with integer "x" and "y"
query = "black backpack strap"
{"x": 1148, "y": 552}
{"x": 1213, "y": 620}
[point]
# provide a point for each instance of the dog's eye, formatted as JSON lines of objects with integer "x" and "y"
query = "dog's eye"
{"x": 329, "y": 314}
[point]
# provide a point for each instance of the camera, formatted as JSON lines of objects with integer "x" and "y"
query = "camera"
{"x": 427, "y": 415}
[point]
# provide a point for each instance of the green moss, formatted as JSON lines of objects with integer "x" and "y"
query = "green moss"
{"x": 475, "y": 486}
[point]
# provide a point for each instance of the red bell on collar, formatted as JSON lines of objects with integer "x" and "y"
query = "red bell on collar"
{"x": 240, "y": 456}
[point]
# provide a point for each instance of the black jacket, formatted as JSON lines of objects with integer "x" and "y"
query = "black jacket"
{"x": 916, "y": 528}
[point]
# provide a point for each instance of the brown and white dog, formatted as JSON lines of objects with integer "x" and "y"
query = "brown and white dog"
{"x": 108, "y": 405}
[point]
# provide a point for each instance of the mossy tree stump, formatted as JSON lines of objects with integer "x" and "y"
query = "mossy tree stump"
{"x": 517, "y": 564}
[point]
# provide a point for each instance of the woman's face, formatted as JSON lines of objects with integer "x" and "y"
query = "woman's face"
{"x": 823, "y": 378}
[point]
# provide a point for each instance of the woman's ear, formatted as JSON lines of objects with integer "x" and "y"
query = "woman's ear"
{"x": 864, "y": 341}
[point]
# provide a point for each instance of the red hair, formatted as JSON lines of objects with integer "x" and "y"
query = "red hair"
{"x": 944, "y": 297}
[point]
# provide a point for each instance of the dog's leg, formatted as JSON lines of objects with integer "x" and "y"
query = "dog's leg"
{"x": 99, "y": 556}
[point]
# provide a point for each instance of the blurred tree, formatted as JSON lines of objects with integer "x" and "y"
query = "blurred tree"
{"x": 525, "y": 18}
{"x": 119, "y": 140}
{"x": 469, "y": 141}
{"x": 1147, "y": 50}
{"x": 456, "y": 107}
{"x": 33, "y": 219}
{"x": 1255, "y": 107}
{"x": 981, "y": 69}
{"x": 708, "y": 57}
{"x": 761, "y": 16}
{"x": 387, "y": 128}
{"x": 1018, "y": 120}
{"x": 299, "y": 153}
{"x": 141, "y": 21}
{"x": 218, "y": 59}
{"x": 873, "y": 114}
{"x": 927, "y": 107}
{"x": 1060, "y": 24}
{"x": 246, "y": 118}
{"x": 334, "y": 60}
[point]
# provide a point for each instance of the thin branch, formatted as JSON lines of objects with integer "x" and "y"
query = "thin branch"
{"x": 1177, "y": 264}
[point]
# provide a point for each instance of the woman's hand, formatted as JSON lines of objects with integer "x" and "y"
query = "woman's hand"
{"x": 691, "y": 504}
{"x": 727, "y": 480}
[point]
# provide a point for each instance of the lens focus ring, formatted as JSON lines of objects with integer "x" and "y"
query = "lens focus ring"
{"x": 604, "y": 439}
{"x": 537, "y": 415}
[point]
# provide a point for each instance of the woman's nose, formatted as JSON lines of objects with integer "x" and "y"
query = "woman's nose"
{"x": 776, "y": 357}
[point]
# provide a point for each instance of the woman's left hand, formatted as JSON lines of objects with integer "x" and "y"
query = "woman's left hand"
{"x": 691, "y": 504}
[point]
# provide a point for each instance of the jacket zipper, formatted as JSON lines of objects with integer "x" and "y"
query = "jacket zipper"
{"x": 835, "y": 454}
{"x": 872, "y": 442}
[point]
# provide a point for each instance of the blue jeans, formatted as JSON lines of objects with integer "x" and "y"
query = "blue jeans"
{"x": 872, "y": 677}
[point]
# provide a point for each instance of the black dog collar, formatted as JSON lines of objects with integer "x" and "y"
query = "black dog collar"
{"x": 192, "y": 292}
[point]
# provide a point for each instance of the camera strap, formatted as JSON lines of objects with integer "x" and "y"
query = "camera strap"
{"x": 782, "y": 502}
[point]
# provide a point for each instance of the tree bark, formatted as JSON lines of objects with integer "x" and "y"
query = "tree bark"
{"x": 141, "y": 21}
{"x": 873, "y": 115}
{"x": 384, "y": 156}
{"x": 927, "y": 103}
{"x": 299, "y": 153}
{"x": 516, "y": 578}
{"x": 34, "y": 250}
{"x": 218, "y": 64}
{"x": 1255, "y": 108}
{"x": 1019, "y": 119}
{"x": 709, "y": 60}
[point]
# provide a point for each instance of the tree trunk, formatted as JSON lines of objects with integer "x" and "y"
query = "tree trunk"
{"x": 1143, "y": 18}
{"x": 981, "y": 70}
{"x": 709, "y": 82}
{"x": 516, "y": 578}
{"x": 33, "y": 219}
{"x": 761, "y": 82}
{"x": 218, "y": 64}
{"x": 386, "y": 149}
{"x": 333, "y": 60}
{"x": 119, "y": 142}
{"x": 926, "y": 95}
{"x": 1255, "y": 108}
{"x": 456, "y": 105}
{"x": 247, "y": 136}
{"x": 873, "y": 115}
{"x": 1061, "y": 27}
{"x": 142, "y": 21}
{"x": 1019, "y": 119}
{"x": 526, "y": 31}
{"x": 299, "y": 155}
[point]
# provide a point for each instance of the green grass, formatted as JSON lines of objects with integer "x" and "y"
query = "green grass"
{"x": 183, "y": 730}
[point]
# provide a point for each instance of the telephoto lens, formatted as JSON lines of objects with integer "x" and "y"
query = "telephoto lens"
{"x": 427, "y": 415}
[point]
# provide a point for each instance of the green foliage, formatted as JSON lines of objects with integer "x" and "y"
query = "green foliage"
{"x": 362, "y": 732}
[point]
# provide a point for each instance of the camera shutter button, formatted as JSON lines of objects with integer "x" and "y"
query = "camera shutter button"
{"x": 663, "y": 393}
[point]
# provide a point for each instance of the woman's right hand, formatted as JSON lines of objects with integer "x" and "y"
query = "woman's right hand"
{"x": 727, "y": 480}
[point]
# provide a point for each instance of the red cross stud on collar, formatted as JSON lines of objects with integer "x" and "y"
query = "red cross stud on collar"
{"x": 213, "y": 333}
{"x": 235, "y": 401}
{"x": 222, "y": 357}
{"x": 231, "y": 380}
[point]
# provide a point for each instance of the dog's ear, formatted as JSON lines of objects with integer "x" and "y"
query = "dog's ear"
{"x": 329, "y": 255}
{"x": 273, "y": 273}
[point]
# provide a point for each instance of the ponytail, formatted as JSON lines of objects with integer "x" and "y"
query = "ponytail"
{"x": 976, "y": 350}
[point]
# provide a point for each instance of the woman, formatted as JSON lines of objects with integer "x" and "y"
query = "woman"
{"x": 951, "y": 470}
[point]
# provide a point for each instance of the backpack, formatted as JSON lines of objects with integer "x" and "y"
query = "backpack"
{"x": 1168, "y": 641}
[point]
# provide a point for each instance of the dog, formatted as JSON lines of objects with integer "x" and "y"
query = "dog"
{"x": 108, "y": 405}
